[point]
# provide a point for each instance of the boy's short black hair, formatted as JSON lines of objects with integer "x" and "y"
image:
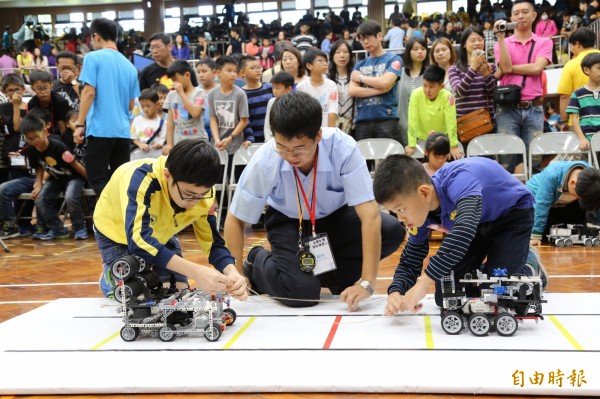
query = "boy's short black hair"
{"x": 398, "y": 175}
{"x": 105, "y": 28}
{"x": 32, "y": 123}
{"x": 588, "y": 189}
{"x": 67, "y": 54}
{"x": 296, "y": 115}
{"x": 437, "y": 144}
{"x": 149, "y": 94}
{"x": 179, "y": 67}
{"x": 368, "y": 28}
{"x": 585, "y": 36}
{"x": 224, "y": 60}
{"x": 163, "y": 37}
{"x": 194, "y": 161}
{"x": 434, "y": 73}
{"x": 284, "y": 78}
{"x": 590, "y": 60}
{"x": 160, "y": 88}
{"x": 12, "y": 79}
{"x": 209, "y": 62}
{"x": 245, "y": 60}
{"x": 40, "y": 76}
{"x": 310, "y": 55}
{"x": 41, "y": 113}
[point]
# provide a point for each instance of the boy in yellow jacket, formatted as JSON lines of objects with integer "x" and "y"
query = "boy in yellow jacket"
{"x": 147, "y": 202}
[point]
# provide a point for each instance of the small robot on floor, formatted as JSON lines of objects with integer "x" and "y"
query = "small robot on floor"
{"x": 563, "y": 235}
{"x": 504, "y": 302}
{"x": 150, "y": 309}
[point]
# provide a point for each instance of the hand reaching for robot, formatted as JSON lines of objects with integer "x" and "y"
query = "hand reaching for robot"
{"x": 238, "y": 289}
{"x": 211, "y": 281}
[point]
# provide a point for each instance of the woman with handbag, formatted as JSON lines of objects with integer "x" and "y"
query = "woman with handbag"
{"x": 339, "y": 72}
{"x": 473, "y": 81}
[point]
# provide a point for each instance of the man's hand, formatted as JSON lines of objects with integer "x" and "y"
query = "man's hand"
{"x": 409, "y": 150}
{"x": 144, "y": 147}
{"x": 210, "y": 280}
{"x": 499, "y": 34}
{"x": 67, "y": 76}
{"x": 79, "y": 135}
{"x": 355, "y": 76}
{"x": 456, "y": 153}
{"x": 238, "y": 289}
{"x": 353, "y": 295}
{"x": 36, "y": 190}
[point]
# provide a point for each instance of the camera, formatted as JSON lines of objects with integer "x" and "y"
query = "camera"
{"x": 504, "y": 26}
{"x": 477, "y": 53}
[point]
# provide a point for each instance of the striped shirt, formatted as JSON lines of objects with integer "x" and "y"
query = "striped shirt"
{"x": 586, "y": 104}
{"x": 472, "y": 90}
{"x": 303, "y": 42}
{"x": 257, "y": 107}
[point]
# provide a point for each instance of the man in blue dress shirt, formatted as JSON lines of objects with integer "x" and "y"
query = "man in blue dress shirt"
{"x": 316, "y": 175}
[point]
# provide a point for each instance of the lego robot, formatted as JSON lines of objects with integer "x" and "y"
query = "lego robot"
{"x": 563, "y": 235}
{"x": 164, "y": 312}
{"x": 503, "y": 304}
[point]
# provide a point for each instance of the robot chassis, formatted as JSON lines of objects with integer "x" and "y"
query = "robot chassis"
{"x": 566, "y": 235}
{"x": 166, "y": 313}
{"x": 506, "y": 302}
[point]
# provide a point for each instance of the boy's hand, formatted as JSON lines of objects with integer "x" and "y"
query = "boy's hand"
{"x": 584, "y": 144}
{"x": 395, "y": 303}
{"x": 353, "y": 295}
{"x": 238, "y": 289}
{"x": 456, "y": 153}
{"x": 409, "y": 150}
{"x": 246, "y": 143}
{"x": 415, "y": 294}
{"x": 535, "y": 243}
{"x": 210, "y": 280}
{"x": 16, "y": 98}
{"x": 223, "y": 144}
{"x": 166, "y": 149}
{"x": 36, "y": 190}
{"x": 144, "y": 147}
{"x": 178, "y": 88}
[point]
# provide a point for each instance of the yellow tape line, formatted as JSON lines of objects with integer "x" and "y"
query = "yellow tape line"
{"x": 564, "y": 332}
{"x": 107, "y": 340}
{"x": 239, "y": 333}
{"x": 428, "y": 333}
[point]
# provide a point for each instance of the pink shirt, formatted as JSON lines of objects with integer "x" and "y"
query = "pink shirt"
{"x": 546, "y": 28}
{"x": 518, "y": 54}
{"x": 6, "y": 62}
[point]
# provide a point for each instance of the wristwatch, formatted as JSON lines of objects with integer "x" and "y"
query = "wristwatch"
{"x": 360, "y": 77}
{"x": 366, "y": 285}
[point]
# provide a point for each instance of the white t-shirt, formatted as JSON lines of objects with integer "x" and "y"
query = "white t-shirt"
{"x": 185, "y": 125}
{"x": 326, "y": 94}
{"x": 143, "y": 128}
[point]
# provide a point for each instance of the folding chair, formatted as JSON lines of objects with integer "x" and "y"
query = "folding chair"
{"x": 378, "y": 149}
{"x": 564, "y": 143}
{"x": 499, "y": 144}
{"x": 595, "y": 147}
{"x": 419, "y": 152}
{"x": 222, "y": 187}
{"x": 241, "y": 158}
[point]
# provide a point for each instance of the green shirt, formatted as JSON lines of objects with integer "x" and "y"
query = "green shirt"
{"x": 425, "y": 115}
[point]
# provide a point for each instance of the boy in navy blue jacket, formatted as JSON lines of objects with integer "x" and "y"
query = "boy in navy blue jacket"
{"x": 487, "y": 212}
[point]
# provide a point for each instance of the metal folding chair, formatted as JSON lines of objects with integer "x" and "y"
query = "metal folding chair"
{"x": 595, "y": 147}
{"x": 561, "y": 144}
{"x": 499, "y": 144}
{"x": 378, "y": 149}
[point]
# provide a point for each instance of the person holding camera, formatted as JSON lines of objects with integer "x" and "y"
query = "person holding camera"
{"x": 521, "y": 58}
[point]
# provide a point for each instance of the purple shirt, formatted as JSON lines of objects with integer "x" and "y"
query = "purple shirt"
{"x": 518, "y": 54}
{"x": 6, "y": 62}
{"x": 472, "y": 90}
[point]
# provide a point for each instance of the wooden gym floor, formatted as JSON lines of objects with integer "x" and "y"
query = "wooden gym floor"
{"x": 35, "y": 272}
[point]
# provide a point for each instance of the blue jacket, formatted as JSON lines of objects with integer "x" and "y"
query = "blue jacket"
{"x": 547, "y": 188}
{"x": 182, "y": 53}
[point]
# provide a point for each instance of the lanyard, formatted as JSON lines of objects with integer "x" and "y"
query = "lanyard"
{"x": 312, "y": 209}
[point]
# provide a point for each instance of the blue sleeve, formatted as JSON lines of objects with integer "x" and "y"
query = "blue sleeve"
{"x": 394, "y": 66}
{"x": 544, "y": 194}
{"x": 89, "y": 72}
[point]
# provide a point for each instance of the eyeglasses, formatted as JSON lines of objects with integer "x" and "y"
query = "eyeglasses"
{"x": 207, "y": 195}
{"x": 295, "y": 152}
{"x": 13, "y": 91}
{"x": 41, "y": 89}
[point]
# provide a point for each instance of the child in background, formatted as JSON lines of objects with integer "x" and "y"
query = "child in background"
{"x": 66, "y": 175}
{"x": 437, "y": 150}
{"x": 206, "y": 76}
{"x": 228, "y": 107}
{"x": 265, "y": 54}
{"x": 76, "y": 149}
{"x": 432, "y": 109}
{"x": 147, "y": 130}
{"x": 163, "y": 92}
{"x": 584, "y": 105}
{"x": 185, "y": 104}
{"x": 552, "y": 117}
{"x": 282, "y": 83}
{"x": 258, "y": 94}
{"x": 318, "y": 86}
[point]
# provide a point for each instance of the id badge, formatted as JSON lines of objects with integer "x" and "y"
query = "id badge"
{"x": 320, "y": 248}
